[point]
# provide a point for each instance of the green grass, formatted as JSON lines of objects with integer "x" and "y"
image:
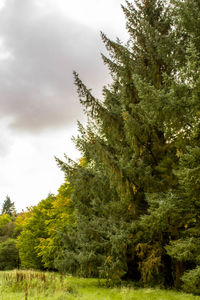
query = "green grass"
{"x": 31, "y": 285}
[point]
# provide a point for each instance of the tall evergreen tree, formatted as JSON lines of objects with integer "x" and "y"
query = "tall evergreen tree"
{"x": 175, "y": 212}
{"x": 8, "y": 207}
{"x": 127, "y": 151}
{"x": 185, "y": 247}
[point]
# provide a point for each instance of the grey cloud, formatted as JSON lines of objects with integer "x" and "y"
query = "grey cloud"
{"x": 36, "y": 83}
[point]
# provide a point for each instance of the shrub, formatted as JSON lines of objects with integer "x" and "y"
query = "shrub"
{"x": 191, "y": 281}
{"x": 9, "y": 256}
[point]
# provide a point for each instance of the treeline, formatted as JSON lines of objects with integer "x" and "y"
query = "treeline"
{"x": 9, "y": 255}
{"x": 130, "y": 208}
{"x": 33, "y": 239}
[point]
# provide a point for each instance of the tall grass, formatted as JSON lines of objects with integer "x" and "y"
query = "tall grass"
{"x": 32, "y": 285}
{"x": 35, "y": 284}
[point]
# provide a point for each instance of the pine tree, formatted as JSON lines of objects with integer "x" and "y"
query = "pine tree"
{"x": 125, "y": 146}
{"x": 185, "y": 247}
{"x": 8, "y": 207}
{"x": 175, "y": 212}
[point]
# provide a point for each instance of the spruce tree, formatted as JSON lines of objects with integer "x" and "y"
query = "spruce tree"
{"x": 175, "y": 212}
{"x": 8, "y": 207}
{"x": 125, "y": 147}
{"x": 185, "y": 247}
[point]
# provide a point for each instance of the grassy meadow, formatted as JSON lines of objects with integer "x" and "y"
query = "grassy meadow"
{"x": 31, "y": 285}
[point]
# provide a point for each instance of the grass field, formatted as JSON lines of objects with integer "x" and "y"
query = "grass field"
{"x": 31, "y": 285}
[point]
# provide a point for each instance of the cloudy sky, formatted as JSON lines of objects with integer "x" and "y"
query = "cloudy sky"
{"x": 41, "y": 43}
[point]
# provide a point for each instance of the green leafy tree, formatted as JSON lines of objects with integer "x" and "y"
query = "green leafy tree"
{"x": 33, "y": 230}
{"x": 9, "y": 256}
{"x": 4, "y": 219}
{"x": 60, "y": 220}
{"x": 7, "y": 227}
{"x": 39, "y": 241}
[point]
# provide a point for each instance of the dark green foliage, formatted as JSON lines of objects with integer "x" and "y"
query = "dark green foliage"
{"x": 9, "y": 256}
{"x": 7, "y": 231}
{"x": 136, "y": 190}
{"x": 7, "y": 227}
{"x": 176, "y": 213}
{"x": 126, "y": 152}
{"x": 191, "y": 281}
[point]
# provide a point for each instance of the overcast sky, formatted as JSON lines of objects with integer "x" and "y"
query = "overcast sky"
{"x": 41, "y": 43}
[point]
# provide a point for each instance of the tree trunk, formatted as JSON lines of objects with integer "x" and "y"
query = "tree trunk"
{"x": 179, "y": 265}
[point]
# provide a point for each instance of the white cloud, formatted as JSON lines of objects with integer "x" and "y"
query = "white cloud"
{"x": 29, "y": 172}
